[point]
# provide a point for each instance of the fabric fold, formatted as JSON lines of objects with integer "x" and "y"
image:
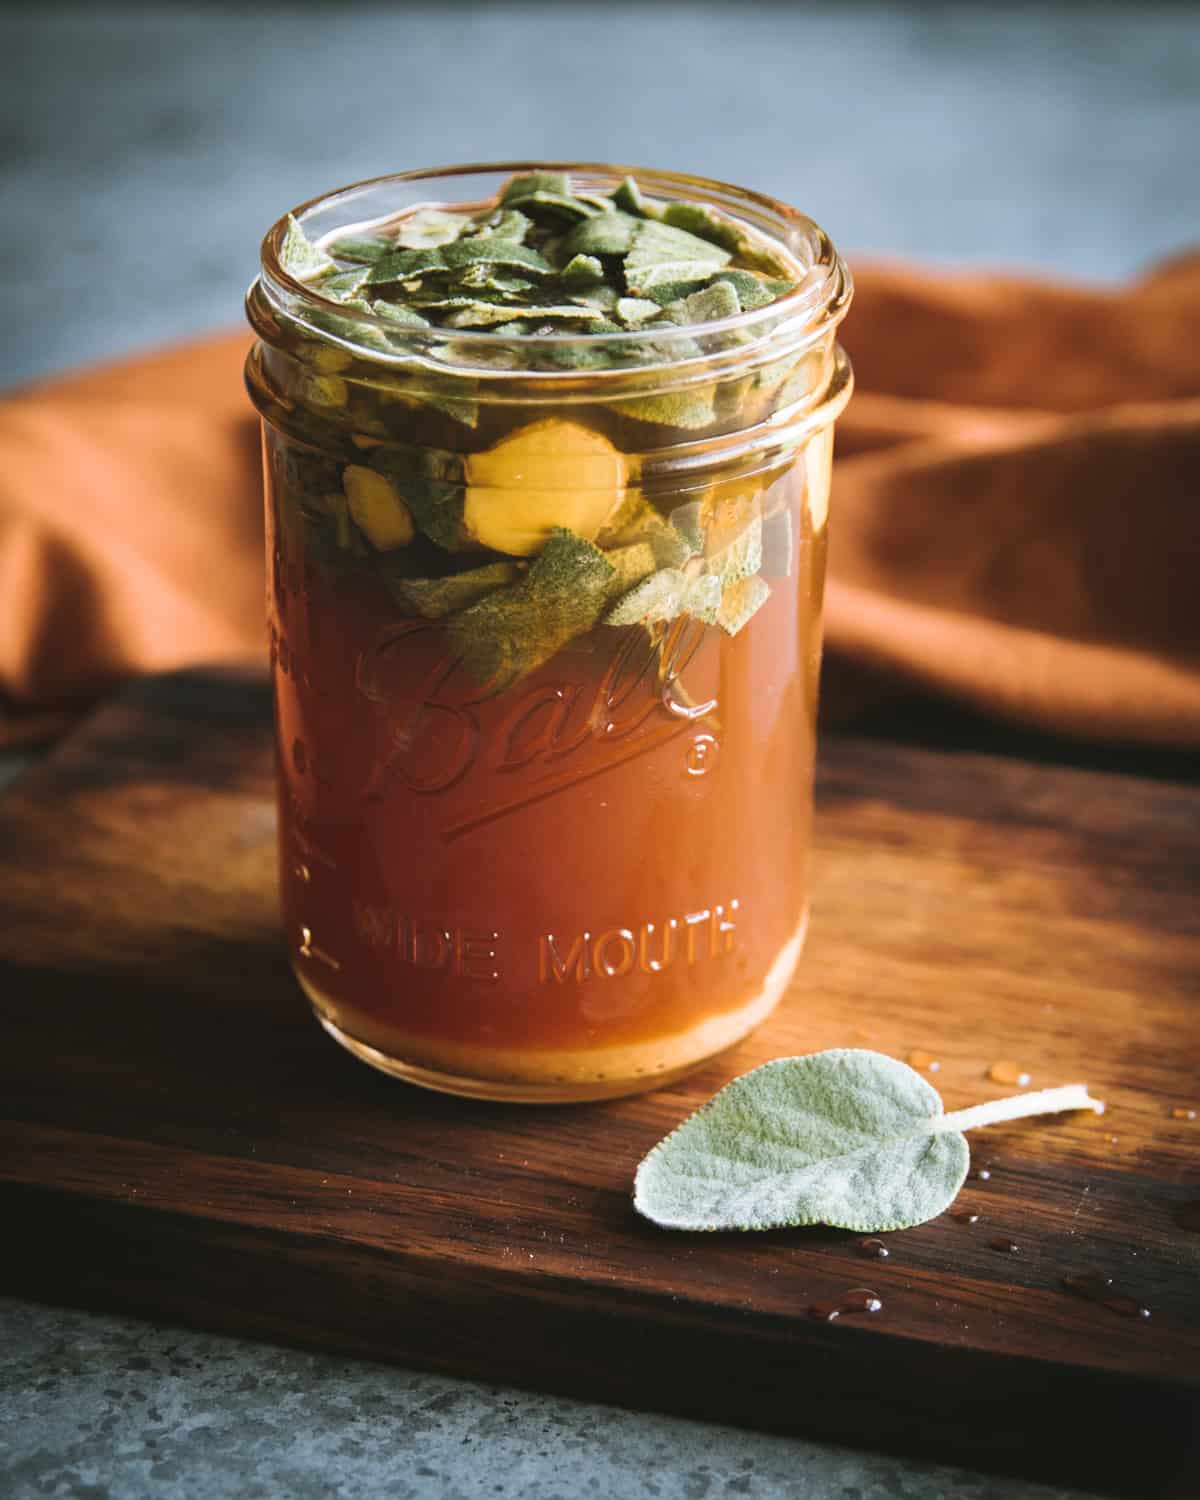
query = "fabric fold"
{"x": 1014, "y": 527}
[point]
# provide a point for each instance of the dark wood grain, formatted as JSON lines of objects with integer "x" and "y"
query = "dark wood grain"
{"x": 180, "y": 1139}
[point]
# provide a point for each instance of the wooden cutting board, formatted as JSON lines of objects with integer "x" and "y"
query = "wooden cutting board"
{"x": 180, "y": 1139}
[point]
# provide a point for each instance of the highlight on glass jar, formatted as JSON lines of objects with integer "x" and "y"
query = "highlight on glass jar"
{"x": 547, "y": 457}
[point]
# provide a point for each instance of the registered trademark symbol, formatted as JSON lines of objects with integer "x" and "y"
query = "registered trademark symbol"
{"x": 701, "y": 755}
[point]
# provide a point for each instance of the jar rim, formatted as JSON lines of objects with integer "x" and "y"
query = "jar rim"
{"x": 820, "y": 299}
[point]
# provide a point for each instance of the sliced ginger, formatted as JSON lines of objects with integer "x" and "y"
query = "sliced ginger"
{"x": 378, "y": 511}
{"x": 551, "y": 474}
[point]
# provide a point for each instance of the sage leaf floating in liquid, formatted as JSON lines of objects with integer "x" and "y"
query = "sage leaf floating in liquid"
{"x": 847, "y": 1137}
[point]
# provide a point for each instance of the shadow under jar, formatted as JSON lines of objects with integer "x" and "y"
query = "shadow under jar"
{"x": 545, "y": 625}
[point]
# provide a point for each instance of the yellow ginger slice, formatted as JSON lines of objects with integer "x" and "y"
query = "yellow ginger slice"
{"x": 377, "y": 509}
{"x": 551, "y": 474}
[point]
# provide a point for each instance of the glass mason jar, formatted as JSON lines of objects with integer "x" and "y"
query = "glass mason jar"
{"x": 527, "y": 854}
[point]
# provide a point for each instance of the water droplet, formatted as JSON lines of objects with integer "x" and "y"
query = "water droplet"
{"x": 1183, "y": 1112}
{"x": 1008, "y": 1072}
{"x": 967, "y": 1216}
{"x": 874, "y": 1249}
{"x": 1097, "y": 1287}
{"x": 858, "y": 1299}
{"x": 925, "y": 1061}
{"x": 1187, "y": 1215}
{"x": 1002, "y": 1242}
{"x": 982, "y": 1175}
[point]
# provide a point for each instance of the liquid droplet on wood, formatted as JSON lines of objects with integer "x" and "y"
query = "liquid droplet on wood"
{"x": 967, "y": 1216}
{"x": 859, "y": 1299}
{"x": 982, "y": 1175}
{"x": 1008, "y": 1072}
{"x": 924, "y": 1061}
{"x": 1097, "y": 1287}
{"x": 1183, "y": 1112}
{"x": 1187, "y": 1216}
{"x": 874, "y": 1249}
{"x": 1002, "y": 1242}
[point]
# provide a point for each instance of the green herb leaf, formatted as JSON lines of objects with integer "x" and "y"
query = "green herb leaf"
{"x": 742, "y": 557}
{"x": 660, "y": 254}
{"x": 740, "y": 602}
{"x": 512, "y": 631}
{"x": 753, "y": 291}
{"x": 691, "y": 407}
{"x": 582, "y": 271}
{"x": 300, "y": 258}
{"x": 708, "y": 305}
{"x": 396, "y": 312}
{"x": 405, "y": 265}
{"x": 435, "y": 598}
{"x": 497, "y": 252}
{"x": 711, "y": 224}
{"x": 525, "y": 184}
{"x": 561, "y": 206}
{"x": 847, "y": 1137}
{"x": 606, "y": 234}
{"x": 634, "y": 311}
{"x": 505, "y": 224}
{"x": 630, "y": 564}
{"x": 487, "y": 277}
{"x": 362, "y": 250}
{"x": 627, "y": 196}
{"x": 657, "y": 598}
{"x": 687, "y": 521}
{"x": 427, "y": 228}
{"x": 345, "y": 285}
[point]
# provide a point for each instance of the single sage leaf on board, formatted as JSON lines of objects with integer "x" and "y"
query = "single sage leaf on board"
{"x": 840, "y": 1137}
{"x": 849, "y": 1138}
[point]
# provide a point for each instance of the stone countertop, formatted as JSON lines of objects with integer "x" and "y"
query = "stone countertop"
{"x": 99, "y": 1408}
{"x": 145, "y": 149}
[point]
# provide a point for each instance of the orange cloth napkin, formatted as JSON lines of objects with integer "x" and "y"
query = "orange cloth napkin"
{"x": 1015, "y": 523}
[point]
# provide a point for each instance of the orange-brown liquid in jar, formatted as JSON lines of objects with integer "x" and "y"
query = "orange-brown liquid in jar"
{"x": 576, "y": 887}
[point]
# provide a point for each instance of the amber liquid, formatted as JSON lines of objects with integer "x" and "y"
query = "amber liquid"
{"x": 590, "y": 881}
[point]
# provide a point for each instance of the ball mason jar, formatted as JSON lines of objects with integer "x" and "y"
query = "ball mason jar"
{"x": 521, "y": 860}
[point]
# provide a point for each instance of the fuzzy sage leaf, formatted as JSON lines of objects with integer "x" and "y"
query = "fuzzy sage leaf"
{"x": 847, "y": 1137}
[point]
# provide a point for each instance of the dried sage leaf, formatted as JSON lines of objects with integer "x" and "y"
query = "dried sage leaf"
{"x": 300, "y": 258}
{"x": 660, "y": 254}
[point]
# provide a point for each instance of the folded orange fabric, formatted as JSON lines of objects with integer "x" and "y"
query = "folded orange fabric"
{"x": 1016, "y": 519}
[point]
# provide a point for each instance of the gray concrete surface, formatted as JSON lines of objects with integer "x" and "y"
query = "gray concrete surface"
{"x": 98, "y": 1408}
{"x": 143, "y": 150}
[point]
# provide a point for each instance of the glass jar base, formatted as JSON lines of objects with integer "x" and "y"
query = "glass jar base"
{"x": 562, "y": 1078}
{"x": 499, "y": 1092}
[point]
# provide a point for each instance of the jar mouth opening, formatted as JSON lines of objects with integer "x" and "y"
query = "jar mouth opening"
{"x": 819, "y": 300}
